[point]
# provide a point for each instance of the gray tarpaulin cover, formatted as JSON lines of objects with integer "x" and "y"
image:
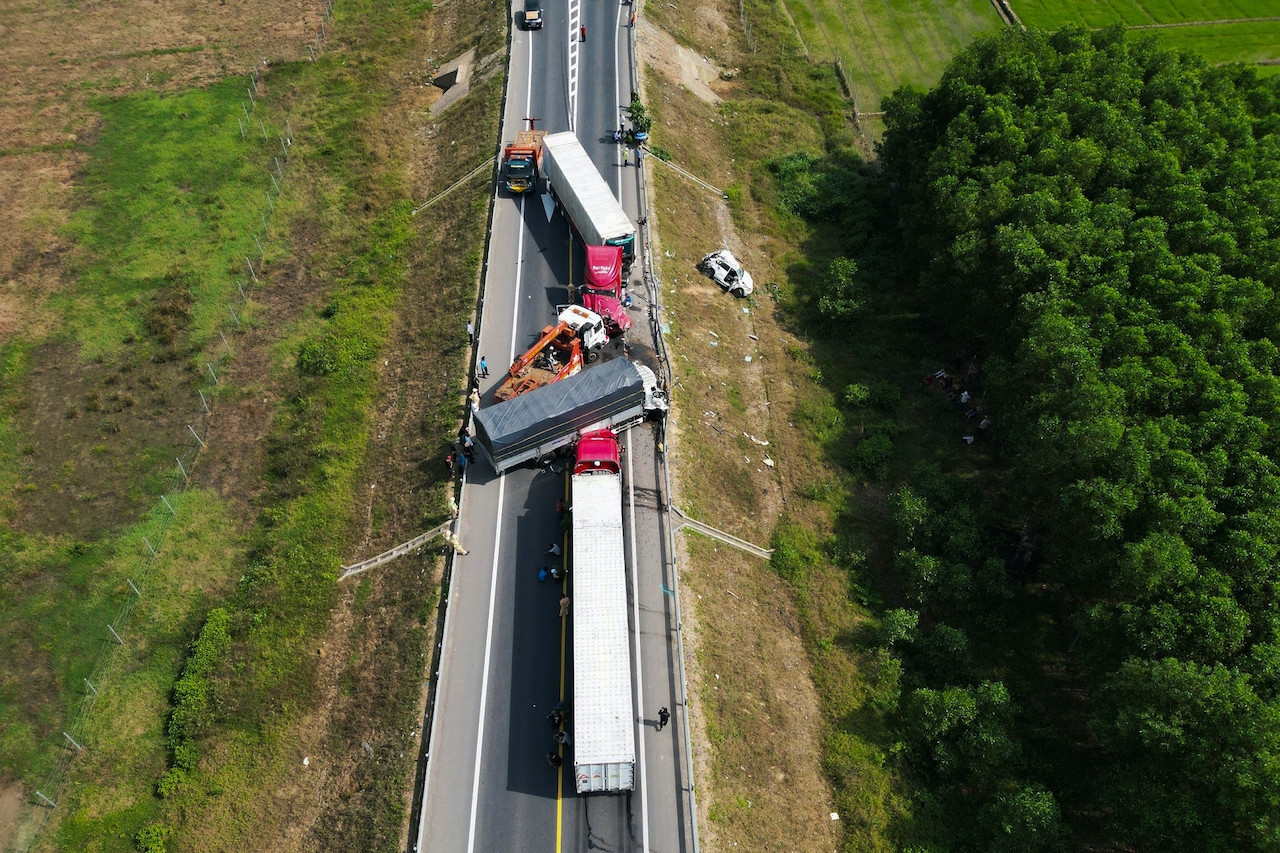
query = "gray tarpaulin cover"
{"x": 595, "y": 394}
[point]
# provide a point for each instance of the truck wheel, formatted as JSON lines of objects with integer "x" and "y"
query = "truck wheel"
{"x": 593, "y": 355}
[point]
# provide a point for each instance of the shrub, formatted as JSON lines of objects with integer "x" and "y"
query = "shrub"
{"x": 151, "y": 839}
{"x": 871, "y": 455}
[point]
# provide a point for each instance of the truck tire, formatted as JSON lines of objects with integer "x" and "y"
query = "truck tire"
{"x": 593, "y": 355}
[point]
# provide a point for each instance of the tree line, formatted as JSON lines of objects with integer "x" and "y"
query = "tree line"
{"x": 1099, "y": 217}
{"x": 1097, "y": 220}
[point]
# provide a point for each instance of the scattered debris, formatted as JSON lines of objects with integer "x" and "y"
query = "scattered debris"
{"x": 768, "y": 462}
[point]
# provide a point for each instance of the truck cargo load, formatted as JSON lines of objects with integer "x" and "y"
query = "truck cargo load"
{"x": 604, "y": 744}
{"x": 602, "y": 287}
{"x": 593, "y": 211}
{"x": 522, "y": 159}
{"x": 538, "y": 425}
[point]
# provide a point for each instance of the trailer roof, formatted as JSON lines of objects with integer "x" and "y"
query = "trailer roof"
{"x": 603, "y": 717}
{"x": 598, "y": 201}
{"x": 589, "y": 397}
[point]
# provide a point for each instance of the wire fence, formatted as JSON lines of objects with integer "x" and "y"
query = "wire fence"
{"x": 261, "y": 133}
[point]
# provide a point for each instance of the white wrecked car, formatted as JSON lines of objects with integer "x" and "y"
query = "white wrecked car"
{"x": 728, "y": 273}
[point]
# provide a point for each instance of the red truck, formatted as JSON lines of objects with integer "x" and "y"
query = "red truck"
{"x": 602, "y": 288}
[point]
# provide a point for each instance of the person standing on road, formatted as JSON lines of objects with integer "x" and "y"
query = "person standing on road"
{"x": 663, "y": 716}
{"x": 582, "y": 33}
{"x": 564, "y": 606}
{"x": 484, "y": 368}
{"x": 474, "y": 397}
{"x": 554, "y": 759}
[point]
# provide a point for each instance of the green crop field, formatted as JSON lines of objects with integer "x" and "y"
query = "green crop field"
{"x": 1222, "y": 30}
{"x": 886, "y": 45}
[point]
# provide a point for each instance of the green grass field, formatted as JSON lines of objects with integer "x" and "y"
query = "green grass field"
{"x": 1222, "y": 30}
{"x": 172, "y": 198}
{"x": 887, "y": 45}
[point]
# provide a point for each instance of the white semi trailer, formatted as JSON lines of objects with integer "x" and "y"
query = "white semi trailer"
{"x": 593, "y": 211}
{"x": 604, "y": 744}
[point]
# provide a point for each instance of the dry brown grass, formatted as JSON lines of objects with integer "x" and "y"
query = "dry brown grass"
{"x": 758, "y": 717}
{"x": 774, "y": 675}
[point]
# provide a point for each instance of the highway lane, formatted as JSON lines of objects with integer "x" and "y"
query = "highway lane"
{"x": 504, "y": 660}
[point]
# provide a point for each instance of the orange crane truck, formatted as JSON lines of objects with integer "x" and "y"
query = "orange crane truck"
{"x": 558, "y": 353}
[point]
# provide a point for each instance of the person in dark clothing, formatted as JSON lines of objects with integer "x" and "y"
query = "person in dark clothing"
{"x": 554, "y": 759}
{"x": 663, "y": 716}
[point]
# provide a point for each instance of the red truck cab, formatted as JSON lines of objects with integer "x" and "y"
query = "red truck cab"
{"x": 598, "y": 451}
{"x": 602, "y": 290}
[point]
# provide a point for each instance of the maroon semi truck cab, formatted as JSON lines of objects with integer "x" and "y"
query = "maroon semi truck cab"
{"x": 598, "y": 451}
{"x": 602, "y": 290}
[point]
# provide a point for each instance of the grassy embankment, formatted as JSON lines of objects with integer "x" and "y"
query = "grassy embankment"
{"x": 883, "y": 46}
{"x": 1217, "y": 29}
{"x": 792, "y": 694}
{"x": 342, "y": 255}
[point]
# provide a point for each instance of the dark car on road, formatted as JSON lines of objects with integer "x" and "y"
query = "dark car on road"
{"x": 533, "y": 14}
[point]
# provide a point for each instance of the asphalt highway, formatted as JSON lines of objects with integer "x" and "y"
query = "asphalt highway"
{"x": 506, "y": 653}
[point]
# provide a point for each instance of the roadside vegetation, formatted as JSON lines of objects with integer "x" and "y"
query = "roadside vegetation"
{"x": 256, "y": 704}
{"x": 1021, "y": 626}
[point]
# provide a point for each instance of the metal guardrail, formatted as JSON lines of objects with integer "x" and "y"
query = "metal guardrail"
{"x": 398, "y": 551}
{"x": 654, "y": 291}
{"x": 468, "y": 176}
{"x": 727, "y": 538}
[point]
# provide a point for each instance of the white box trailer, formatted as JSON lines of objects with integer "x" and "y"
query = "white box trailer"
{"x": 604, "y": 746}
{"x": 593, "y": 211}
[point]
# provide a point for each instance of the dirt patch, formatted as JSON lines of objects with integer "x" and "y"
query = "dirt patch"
{"x": 697, "y": 73}
{"x": 12, "y": 798}
{"x": 85, "y": 427}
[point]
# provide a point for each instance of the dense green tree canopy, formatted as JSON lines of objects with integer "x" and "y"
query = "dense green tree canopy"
{"x": 1101, "y": 219}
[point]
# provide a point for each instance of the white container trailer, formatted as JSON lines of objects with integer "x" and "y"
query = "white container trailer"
{"x": 604, "y": 745}
{"x": 595, "y": 214}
